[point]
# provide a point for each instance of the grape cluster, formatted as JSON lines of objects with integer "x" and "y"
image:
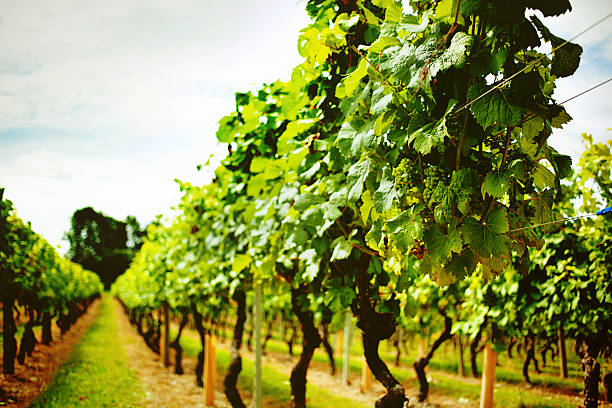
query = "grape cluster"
{"x": 433, "y": 175}
{"x": 403, "y": 173}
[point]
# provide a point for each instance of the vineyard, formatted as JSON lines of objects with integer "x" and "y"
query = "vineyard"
{"x": 389, "y": 228}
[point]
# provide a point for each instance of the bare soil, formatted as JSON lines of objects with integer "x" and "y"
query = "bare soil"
{"x": 31, "y": 378}
{"x": 163, "y": 388}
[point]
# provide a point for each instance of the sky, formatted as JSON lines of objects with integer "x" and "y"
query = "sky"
{"x": 105, "y": 104}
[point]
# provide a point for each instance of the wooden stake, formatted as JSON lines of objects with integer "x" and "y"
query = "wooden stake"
{"x": 366, "y": 376}
{"x": 460, "y": 354}
{"x": 210, "y": 371}
{"x": 488, "y": 377}
{"x": 339, "y": 341}
{"x": 164, "y": 341}
{"x": 257, "y": 317}
{"x": 421, "y": 347}
{"x": 347, "y": 346}
{"x": 562, "y": 353}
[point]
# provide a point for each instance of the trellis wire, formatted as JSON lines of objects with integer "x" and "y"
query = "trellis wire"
{"x": 604, "y": 211}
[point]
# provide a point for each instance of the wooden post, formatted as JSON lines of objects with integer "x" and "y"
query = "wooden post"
{"x": 562, "y": 353}
{"x": 210, "y": 371}
{"x": 421, "y": 346}
{"x": 339, "y": 341}
{"x": 347, "y": 346}
{"x": 461, "y": 366}
{"x": 488, "y": 377}
{"x": 257, "y": 317}
{"x": 366, "y": 376}
{"x": 165, "y": 335}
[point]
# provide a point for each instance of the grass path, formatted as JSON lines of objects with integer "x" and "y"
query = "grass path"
{"x": 275, "y": 387}
{"x": 510, "y": 392}
{"x": 96, "y": 374}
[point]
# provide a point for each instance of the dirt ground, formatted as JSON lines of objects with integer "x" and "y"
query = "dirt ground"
{"x": 163, "y": 388}
{"x": 31, "y": 378}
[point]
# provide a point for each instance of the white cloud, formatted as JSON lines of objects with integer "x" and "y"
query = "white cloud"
{"x": 590, "y": 112}
{"x": 140, "y": 184}
{"x": 106, "y": 103}
{"x": 116, "y": 65}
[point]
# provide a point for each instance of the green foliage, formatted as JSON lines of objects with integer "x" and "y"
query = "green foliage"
{"x": 103, "y": 244}
{"x": 390, "y": 145}
{"x": 33, "y": 273}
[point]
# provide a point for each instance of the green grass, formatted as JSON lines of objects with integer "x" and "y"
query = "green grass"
{"x": 275, "y": 387}
{"x": 445, "y": 359}
{"x": 96, "y": 373}
{"x": 508, "y": 394}
{"x": 505, "y": 396}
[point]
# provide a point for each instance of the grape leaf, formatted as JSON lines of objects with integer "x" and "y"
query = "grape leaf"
{"x": 457, "y": 194}
{"x": 331, "y": 214}
{"x": 543, "y": 177}
{"x": 285, "y": 141}
{"x": 338, "y": 198}
{"x": 561, "y": 119}
{"x": 454, "y": 56}
{"x": 444, "y": 278}
{"x": 543, "y": 207}
{"x": 382, "y": 43}
{"x": 406, "y": 227}
{"x": 356, "y": 176}
{"x": 342, "y": 249}
{"x": 486, "y": 237}
{"x": 374, "y": 237}
{"x": 550, "y": 7}
{"x": 365, "y": 208}
{"x": 566, "y": 55}
{"x": 448, "y": 9}
{"x": 532, "y": 126}
{"x": 352, "y": 81}
{"x": 303, "y": 201}
{"x": 394, "y": 12}
{"x": 562, "y": 164}
{"x": 491, "y": 266}
{"x": 241, "y": 261}
{"x": 353, "y": 137}
{"x": 429, "y": 136}
{"x": 310, "y": 259}
{"x": 380, "y": 101}
{"x": 408, "y": 62}
{"x": 496, "y": 183}
{"x": 461, "y": 264}
{"x": 441, "y": 245}
{"x": 383, "y": 197}
{"x": 495, "y": 107}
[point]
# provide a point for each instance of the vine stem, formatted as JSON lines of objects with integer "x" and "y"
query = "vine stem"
{"x": 342, "y": 229}
{"x": 506, "y": 146}
{"x": 366, "y": 250}
{"x": 457, "y": 12}
{"x": 421, "y": 168}
{"x": 460, "y": 144}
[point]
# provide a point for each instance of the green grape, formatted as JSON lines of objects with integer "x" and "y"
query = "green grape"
{"x": 404, "y": 173}
{"x": 433, "y": 175}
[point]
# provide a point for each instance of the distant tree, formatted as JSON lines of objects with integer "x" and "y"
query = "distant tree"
{"x": 103, "y": 244}
{"x": 135, "y": 234}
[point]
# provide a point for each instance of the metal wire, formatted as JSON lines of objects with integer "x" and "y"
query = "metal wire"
{"x": 553, "y": 222}
{"x": 603, "y": 211}
{"x": 505, "y": 81}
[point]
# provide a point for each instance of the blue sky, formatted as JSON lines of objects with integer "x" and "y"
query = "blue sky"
{"x": 106, "y": 103}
